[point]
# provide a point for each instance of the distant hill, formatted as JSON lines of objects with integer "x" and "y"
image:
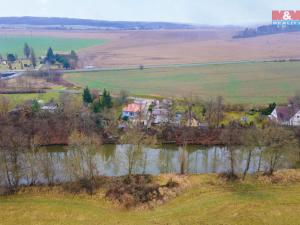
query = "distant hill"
{"x": 265, "y": 30}
{"x": 66, "y": 23}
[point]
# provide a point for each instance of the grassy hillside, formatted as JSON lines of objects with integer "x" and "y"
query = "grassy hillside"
{"x": 239, "y": 83}
{"x": 207, "y": 202}
{"x": 15, "y": 44}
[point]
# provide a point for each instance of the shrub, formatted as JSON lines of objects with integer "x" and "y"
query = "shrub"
{"x": 131, "y": 191}
{"x": 228, "y": 176}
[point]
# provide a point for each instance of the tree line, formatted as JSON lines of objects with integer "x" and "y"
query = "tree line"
{"x": 68, "y": 61}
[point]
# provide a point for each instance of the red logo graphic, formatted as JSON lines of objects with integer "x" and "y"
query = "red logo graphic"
{"x": 286, "y": 15}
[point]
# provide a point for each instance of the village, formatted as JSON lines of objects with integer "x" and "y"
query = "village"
{"x": 151, "y": 112}
{"x": 147, "y": 112}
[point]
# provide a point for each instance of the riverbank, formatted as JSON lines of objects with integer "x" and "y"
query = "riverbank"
{"x": 208, "y": 200}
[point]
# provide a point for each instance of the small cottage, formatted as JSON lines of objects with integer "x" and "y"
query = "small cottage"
{"x": 286, "y": 115}
{"x": 131, "y": 111}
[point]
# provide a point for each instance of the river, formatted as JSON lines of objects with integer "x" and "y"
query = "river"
{"x": 116, "y": 160}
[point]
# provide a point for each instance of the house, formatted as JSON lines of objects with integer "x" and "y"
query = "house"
{"x": 132, "y": 111}
{"x": 50, "y": 107}
{"x": 161, "y": 111}
{"x": 177, "y": 118}
{"x": 160, "y": 116}
{"x": 190, "y": 120}
{"x": 138, "y": 110}
{"x": 286, "y": 115}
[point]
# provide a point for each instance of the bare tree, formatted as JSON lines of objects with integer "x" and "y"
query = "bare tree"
{"x": 295, "y": 100}
{"x": 123, "y": 97}
{"x": 47, "y": 166}
{"x": 13, "y": 143}
{"x": 81, "y": 162}
{"x": 183, "y": 159}
{"x": 191, "y": 103}
{"x": 3, "y": 83}
{"x": 4, "y": 106}
{"x": 252, "y": 140}
{"x": 214, "y": 111}
{"x": 134, "y": 138}
{"x": 31, "y": 162}
{"x": 209, "y": 112}
{"x": 278, "y": 141}
{"x": 219, "y": 110}
{"x": 231, "y": 137}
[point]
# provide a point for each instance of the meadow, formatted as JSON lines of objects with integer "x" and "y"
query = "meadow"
{"x": 206, "y": 202}
{"x": 19, "y": 99}
{"x": 15, "y": 44}
{"x": 250, "y": 83}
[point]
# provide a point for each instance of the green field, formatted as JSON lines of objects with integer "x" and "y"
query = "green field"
{"x": 19, "y": 99}
{"x": 255, "y": 83}
{"x": 205, "y": 203}
{"x": 15, "y": 44}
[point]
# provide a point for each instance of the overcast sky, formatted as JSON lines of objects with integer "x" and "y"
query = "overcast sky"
{"x": 214, "y": 12}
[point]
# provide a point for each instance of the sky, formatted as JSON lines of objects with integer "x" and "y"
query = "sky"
{"x": 210, "y": 12}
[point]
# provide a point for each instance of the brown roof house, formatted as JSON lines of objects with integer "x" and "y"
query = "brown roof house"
{"x": 286, "y": 115}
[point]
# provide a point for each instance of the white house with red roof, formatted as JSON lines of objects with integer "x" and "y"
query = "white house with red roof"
{"x": 132, "y": 111}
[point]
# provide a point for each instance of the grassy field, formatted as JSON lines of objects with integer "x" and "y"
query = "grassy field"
{"x": 205, "y": 203}
{"x": 239, "y": 83}
{"x": 15, "y": 44}
{"x": 18, "y": 99}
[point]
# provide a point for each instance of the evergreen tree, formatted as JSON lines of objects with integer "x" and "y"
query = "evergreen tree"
{"x": 106, "y": 99}
{"x": 97, "y": 106}
{"x": 74, "y": 55}
{"x": 11, "y": 57}
{"x": 35, "y": 107}
{"x": 63, "y": 60}
{"x": 87, "y": 96}
{"x": 27, "y": 50}
{"x": 50, "y": 57}
{"x": 33, "y": 58}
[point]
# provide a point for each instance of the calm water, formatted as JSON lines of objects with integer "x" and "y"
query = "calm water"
{"x": 112, "y": 160}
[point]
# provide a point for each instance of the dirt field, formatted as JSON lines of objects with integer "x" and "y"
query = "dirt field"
{"x": 173, "y": 47}
{"x": 132, "y": 48}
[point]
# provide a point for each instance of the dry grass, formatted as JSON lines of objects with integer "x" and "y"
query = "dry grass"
{"x": 185, "y": 47}
{"x": 282, "y": 177}
{"x": 207, "y": 201}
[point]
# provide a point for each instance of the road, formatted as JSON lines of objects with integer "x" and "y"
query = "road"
{"x": 97, "y": 69}
{"x": 171, "y": 65}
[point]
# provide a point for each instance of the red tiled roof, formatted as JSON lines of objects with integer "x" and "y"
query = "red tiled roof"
{"x": 132, "y": 108}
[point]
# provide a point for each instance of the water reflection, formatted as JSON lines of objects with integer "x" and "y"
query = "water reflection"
{"x": 58, "y": 164}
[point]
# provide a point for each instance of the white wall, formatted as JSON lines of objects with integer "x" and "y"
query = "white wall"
{"x": 295, "y": 121}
